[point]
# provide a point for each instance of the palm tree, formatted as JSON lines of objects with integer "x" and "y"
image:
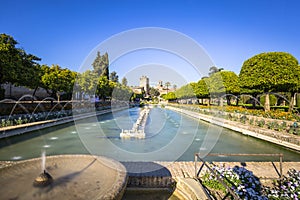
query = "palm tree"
{"x": 167, "y": 84}
{"x": 174, "y": 87}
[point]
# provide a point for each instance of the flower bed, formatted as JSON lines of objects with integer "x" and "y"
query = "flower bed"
{"x": 274, "y": 120}
{"x": 18, "y": 119}
{"x": 247, "y": 186}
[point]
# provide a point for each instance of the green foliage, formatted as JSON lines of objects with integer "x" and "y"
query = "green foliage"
{"x": 273, "y": 125}
{"x": 243, "y": 119}
{"x": 223, "y": 82}
{"x": 201, "y": 89}
{"x": 228, "y": 176}
{"x": 104, "y": 87}
{"x": 298, "y": 100}
{"x": 273, "y": 71}
{"x": 16, "y": 66}
{"x": 114, "y": 77}
{"x": 137, "y": 96}
{"x": 167, "y": 84}
{"x": 88, "y": 81}
{"x": 58, "y": 80}
{"x": 169, "y": 96}
{"x": 121, "y": 93}
{"x": 124, "y": 81}
{"x": 186, "y": 91}
{"x": 101, "y": 65}
{"x": 260, "y": 123}
{"x": 153, "y": 92}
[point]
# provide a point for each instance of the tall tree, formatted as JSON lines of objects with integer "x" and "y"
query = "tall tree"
{"x": 16, "y": 66}
{"x": 101, "y": 65}
{"x": 186, "y": 91}
{"x": 167, "y": 84}
{"x": 224, "y": 83}
{"x": 103, "y": 88}
{"x": 124, "y": 81}
{"x": 174, "y": 87}
{"x": 201, "y": 89}
{"x": 153, "y": 92}
{"x": 30, "y": 72}
{"x": 114, "y": 77}
{"x": 121, "y": 93}
{"x": 271, "y": 72}
{"x": 88, "y": 82}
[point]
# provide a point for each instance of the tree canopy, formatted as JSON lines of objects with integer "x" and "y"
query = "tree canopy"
{"x": 114, "y": 77}
{"x": 186, "y": 91}
{"x": 101, "y": 65}
{"x": 16, "y": 66}
{"x": 58, "y": 80}
{"x": 124, "y": 81}
{"x": 271, "y": 72}
{"x": 87, "y": 82}
{"x": 169, "y": 96}
{"x": 153, "y": 92}
{"x": 223, "y": 82}
{"x": 214, "y": 69}
{"x": 201, "y": 89}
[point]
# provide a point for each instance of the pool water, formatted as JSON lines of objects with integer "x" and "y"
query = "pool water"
{"x": 170, "y": 136}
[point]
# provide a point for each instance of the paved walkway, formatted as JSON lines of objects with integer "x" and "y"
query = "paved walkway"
{"x": 175, "y": 170}
{"x": 179, "y": 175}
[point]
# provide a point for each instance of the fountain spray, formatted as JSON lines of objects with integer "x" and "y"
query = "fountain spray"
{"x": 44, "y": 178}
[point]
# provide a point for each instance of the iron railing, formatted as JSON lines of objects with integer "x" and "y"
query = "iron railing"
{"x": 218, "y": 176}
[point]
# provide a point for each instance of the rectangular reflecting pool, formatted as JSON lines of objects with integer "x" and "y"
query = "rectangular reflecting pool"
{"x": 170, "y": 136}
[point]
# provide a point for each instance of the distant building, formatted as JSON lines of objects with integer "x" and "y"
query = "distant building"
{"x": 138, "y": 90}
{"x": 162, "y": 89}
{"x": 144, "y": 83}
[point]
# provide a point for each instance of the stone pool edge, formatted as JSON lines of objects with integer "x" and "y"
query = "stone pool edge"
{"x": 25, "y": 128}
{"x": 235, "y": 127}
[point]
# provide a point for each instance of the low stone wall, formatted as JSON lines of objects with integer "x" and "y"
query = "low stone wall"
{"x": 280, "y": 138}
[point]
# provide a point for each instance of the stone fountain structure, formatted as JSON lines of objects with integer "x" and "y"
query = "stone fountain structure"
{"x": 64, "y": 177}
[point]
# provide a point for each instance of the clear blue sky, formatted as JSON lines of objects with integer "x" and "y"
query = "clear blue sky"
{"x": 65, "y": 31}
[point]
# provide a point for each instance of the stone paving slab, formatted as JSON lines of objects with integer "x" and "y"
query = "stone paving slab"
{"x": 187, "y": 169}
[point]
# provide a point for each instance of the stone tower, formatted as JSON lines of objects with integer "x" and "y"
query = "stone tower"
{"x": 144, "y": 82}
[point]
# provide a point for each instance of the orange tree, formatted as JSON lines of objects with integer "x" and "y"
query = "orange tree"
{"x": 271, "y": 72}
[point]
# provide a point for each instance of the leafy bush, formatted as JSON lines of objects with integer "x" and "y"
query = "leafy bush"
{"x": 273, "y": 125}
{"x": 282, "y": 126}
{"x": 229, "y": 177}
{"x": 239, "y": 179}
{"x": 251, "y": 121}
{"x": 260, "y": 123}
{"x": 248, "y": 186}
{"x": 243, "y": 119}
